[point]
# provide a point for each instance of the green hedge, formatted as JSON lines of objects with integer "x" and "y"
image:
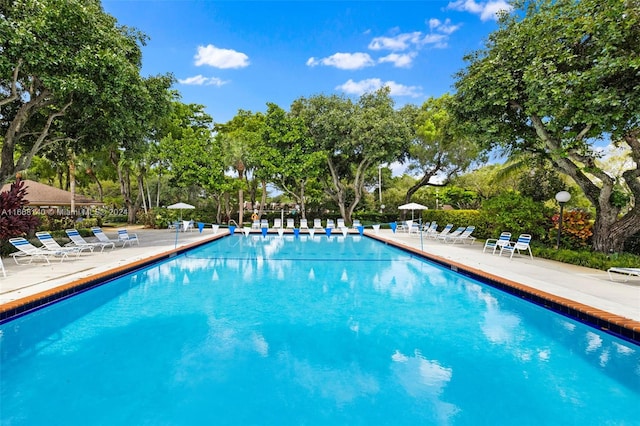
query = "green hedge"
{"x": 459, "y": 218}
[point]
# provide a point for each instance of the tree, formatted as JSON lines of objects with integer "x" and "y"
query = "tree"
{"x": 289, "y": 154}
{"x": 554, "y": 79}
{"x": 138, "y": 115}
{"x": 439, "y": 149}
{"x": 187, "y": 149}
{"x": 238, "y": 139}
{"x": 355, "y": 138}
{"x": 57, "y": 55}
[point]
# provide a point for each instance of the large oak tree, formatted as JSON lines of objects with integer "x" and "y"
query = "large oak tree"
{"x": 57, "y": 55}
{"x": 555, "y": 78}
{"x": 355, "y": 136}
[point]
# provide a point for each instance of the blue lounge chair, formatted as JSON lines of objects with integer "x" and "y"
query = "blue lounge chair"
{"x": 444, "y": 235}
{"x": 50, "y": 244}
{"x": 463, "y": 237}
{"x": 124, "y": 237}
{"x": 523, "y": 243}
{"x": 437, "y": 235}
{"x": 77, "y": 240}
{"x": 496, "y": 243}
{"x": 31, "y": 252}
{"x": 101, "y": 236}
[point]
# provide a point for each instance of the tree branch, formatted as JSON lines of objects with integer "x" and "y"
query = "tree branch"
{"x": 14, "y": 85}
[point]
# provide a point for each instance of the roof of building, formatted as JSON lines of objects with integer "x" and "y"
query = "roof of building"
{"x": 39, "y": 194}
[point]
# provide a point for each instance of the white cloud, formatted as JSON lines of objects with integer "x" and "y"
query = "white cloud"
{"x": 445, "y": 27}
{"x": 396, "y": 43}
{"x": 437, "y": 40}
{"x": 486, "y": 10}
{"x": 344, "y": 61}
{"x": 220, "y": 58}
{"x": 411, "y": 42}
{"x": 440, "y": 32}
{"x": 399, "y": 61}
{"x": 372, "y": 84}
{"x": 200, "y": 80}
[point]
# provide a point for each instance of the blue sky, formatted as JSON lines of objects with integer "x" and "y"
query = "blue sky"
{"x": 231, "y": 55}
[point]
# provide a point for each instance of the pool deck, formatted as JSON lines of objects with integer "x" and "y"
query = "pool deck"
{"x": 587, "y": 289}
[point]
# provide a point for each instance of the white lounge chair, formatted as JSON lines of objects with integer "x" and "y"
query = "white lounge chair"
{"x": 463, "y": 237}
{"x": 436, "y": 235}
{"x": 291, "y": 224}
{"x": 77, "y": 240}
{"x": 443, "y": 236}
{"x": 50, "y": 244}
{"x": 340, "y": 223}
{"x": 523, "y": 243}
{"x": 264, "y": 223}
{"x": 304, "y": 224}
{"x": 497, "y": 243}
{"x": 331, "y": 223}
{"x": 28, "y": 250}
{"x": 629, "y": 272}
{"x": 101, "y": 236}
{"x": 356, "y": 223}
{"x": 317, "y": 224}
{"x": 431, "y": 229}
{"x": 277, "y": 223}
{"x": 255, "y": 224}
{"x": 124, "y": 237}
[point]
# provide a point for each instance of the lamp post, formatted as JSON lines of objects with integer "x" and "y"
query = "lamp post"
{"x": 380, "y": 187}
{"x": 562, "y": 197}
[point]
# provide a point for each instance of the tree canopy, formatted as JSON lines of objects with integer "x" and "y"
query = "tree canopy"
{"x": 556, "y": 79}
{"x": 60, "y": 56}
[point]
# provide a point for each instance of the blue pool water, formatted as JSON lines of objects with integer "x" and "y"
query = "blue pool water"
{"x": 300, "y": 331}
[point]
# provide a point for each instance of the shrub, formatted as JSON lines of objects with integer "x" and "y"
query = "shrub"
{"x": 514, "y": 213}
{"x": 587, "y": 258}
{"x": 15, "y": 217}
{"x": 576, "y": 230}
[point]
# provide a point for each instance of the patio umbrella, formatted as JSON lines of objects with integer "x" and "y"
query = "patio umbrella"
{"x": 412, "y": 207}
{"x": 181, "y": 206}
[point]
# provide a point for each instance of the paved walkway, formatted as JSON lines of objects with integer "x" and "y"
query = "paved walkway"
{"x": 583, "y": 285}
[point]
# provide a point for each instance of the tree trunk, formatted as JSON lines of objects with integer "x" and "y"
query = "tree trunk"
{"x": 141, "y": 193}
{"x": 124, "y": 179}
{"x": 158, "y": 190}
{"x": 303, "y": 207}
{"x": 93, "y": 176}
{"x": 610, "y": 230}
{"x": 263, "y": 198}
{"x": 72, "y": 182}
{"x": 424, "y": 181}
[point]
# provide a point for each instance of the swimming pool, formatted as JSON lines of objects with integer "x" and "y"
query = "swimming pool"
{"x": 284, "y": 330}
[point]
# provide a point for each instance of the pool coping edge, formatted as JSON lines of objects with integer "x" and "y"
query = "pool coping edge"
{"x": 617, "y": 325}
{"x": 26, "y": 304}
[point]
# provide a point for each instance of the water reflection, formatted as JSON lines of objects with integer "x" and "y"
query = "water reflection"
{"x": 425, "y": 380}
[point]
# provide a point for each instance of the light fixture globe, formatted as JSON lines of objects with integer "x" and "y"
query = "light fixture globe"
{"x": 563, "y": 196}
